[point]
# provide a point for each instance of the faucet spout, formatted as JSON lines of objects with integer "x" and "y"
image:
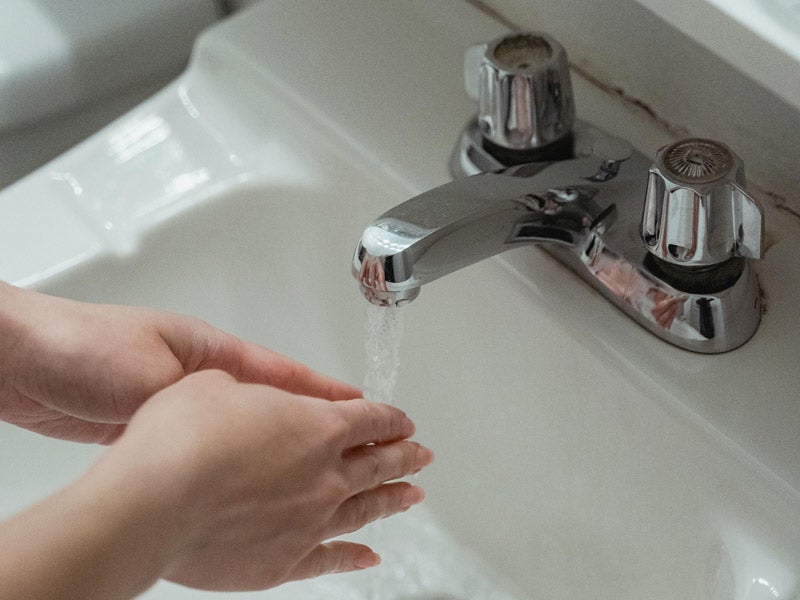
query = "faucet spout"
{"x": 469, "y": 219}
{"x": 587, "y": 213}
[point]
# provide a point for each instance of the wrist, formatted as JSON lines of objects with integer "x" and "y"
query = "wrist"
{"x": 108, "y": 536}
{"x": 136, "y": 509}
{"x": 147, "y": 495}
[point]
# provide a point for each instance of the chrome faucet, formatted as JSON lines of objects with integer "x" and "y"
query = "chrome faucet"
{"x": 669, "y": 241}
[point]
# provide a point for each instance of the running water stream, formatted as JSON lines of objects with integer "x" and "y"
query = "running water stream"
{"x": 383, "y": 332}
{"x": 384, "y": 329}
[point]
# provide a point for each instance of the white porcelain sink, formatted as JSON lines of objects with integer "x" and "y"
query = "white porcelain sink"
{"x": 577, "y": 455}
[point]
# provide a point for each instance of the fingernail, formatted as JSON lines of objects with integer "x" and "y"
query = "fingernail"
{"x": 411, "y": 496}
{"x": 424, "y": 457}
{"x": 367, "y": 560}
{"x": 408, "y": 428}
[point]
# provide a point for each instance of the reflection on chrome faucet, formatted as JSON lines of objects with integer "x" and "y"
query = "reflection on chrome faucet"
{"x": 630, "y": 286}
{"x": 669, "y": 242}
{"x": 371, "y": 275}
{"x": 590, "y": 224}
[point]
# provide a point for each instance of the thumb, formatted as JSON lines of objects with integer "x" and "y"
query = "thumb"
{"x": 335, "y": 557}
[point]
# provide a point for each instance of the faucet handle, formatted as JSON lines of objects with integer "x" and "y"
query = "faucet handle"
{"x": 522, "y": 85}
{"x": 697, "y": 212}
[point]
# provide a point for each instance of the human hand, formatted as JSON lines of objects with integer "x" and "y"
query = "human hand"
{"x": 78, "y": 371}
{"x": 257, "y": 479}
{"x": 219, "y": 485}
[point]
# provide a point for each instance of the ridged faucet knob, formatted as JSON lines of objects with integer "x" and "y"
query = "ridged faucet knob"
{"x": 697, "y": 212}
{"x": 523, "y": 89}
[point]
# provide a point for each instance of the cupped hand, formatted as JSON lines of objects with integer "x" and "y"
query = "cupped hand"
{"x": 79, "y": 371}
{"x": 258, "y": 479}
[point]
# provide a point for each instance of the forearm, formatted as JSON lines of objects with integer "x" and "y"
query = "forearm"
{"x": 108, "y": 536}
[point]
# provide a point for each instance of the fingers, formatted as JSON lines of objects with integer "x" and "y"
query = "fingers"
{"x": 260, "y": 365}
{"x": 370, "y": 466}
{"x": 334, "y": 557}
{"x": 373, "y": 422}
{"x": 363, "y": 508}
{"x": 371, "y": 505}
{"x": 200, "y": 346}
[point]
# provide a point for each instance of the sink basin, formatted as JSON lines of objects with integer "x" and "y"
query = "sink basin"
{"x": 577, "y": 455}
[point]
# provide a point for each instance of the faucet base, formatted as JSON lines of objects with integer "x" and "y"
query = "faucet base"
{"x": 473, "y": 154}
{"x": 708, "y": 322}
{"x": 586, "y": 212}
{"x": 707, "y": 310}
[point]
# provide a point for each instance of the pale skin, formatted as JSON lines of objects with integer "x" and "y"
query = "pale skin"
{"x": 230, "y": 467}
